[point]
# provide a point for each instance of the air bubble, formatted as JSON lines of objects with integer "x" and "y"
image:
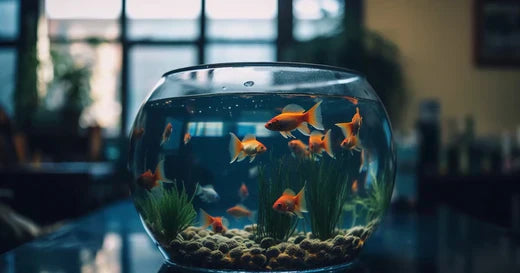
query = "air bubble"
{"x": 249, "y": 83}
{"x": 224, "y": 88}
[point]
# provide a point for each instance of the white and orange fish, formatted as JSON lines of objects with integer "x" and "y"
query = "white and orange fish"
{"x": 319, "y": 143}
{"x": 167, "y": 133}
{"x": 352, "y": 100}
{"x": 187, "y": 138}
{"x": 291, "y": 203}
{"x": 299, "y": 149}
{"x": 295, "y": 117}
{"x": 351, "y": 132}
{"x": 218, "y": 224}
{"x": 243, "y": 192}
{"x": 150, "y": 180}
{"x": 240, "y": 211}
{"x": 249, "y": 146}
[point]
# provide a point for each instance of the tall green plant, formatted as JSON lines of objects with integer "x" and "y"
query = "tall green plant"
{"x": 272, "y": 223}
{"x": 167, "y": 212}
{"x": 327, "y": 192}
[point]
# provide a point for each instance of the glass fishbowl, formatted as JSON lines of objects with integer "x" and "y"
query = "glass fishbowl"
{"x": 261, "y": 166}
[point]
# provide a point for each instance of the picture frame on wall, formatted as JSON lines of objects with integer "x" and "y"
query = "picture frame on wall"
{"x": 497, "y": 33}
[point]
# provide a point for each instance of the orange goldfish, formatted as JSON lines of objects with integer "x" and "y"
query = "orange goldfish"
{"x": 355, "y": 186}
{"x": 243, "y": 192}
{"x": 291, "y": 203}
{"x": 319, "y": 143}
{"x": 167, "y": 133}
{"x": 299, "y": 149}
{"x": 149, "y": 180}
{"x": 249, "y": 146}
{"x": 352, "y": 99}
{"x": 240, "y": 211}
{"x": 187, "y": 138}
{"x": 217, "y": 223}
{"x": 294, "y": 117}
{"x": 350, "y": 131}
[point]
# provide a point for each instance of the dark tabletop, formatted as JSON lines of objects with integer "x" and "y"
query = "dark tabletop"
{"x": 113, "y": 240}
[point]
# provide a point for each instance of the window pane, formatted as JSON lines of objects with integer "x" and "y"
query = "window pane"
{"x": 313, "y": 18}
{"x": 218, "y": 53}
{"x": 7, "y": 78}
{"x": 78, "y": 19}
{"x": 163, "y": 19}
{"x": 103, "y": 61}
{"x": 147, "y": 65}
{"x": 9, "y": 19}
{"x": 241, "y": 19}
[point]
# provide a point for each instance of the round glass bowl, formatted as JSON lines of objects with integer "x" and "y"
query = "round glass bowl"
{"x": 261, "y": 166}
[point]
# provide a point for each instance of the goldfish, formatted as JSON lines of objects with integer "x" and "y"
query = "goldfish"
{"x": 350, "y": 131}
{"x": 207, "y": 194}
{"x": 138, "y": 133}
{"x": 352, "y": 100}
{"x": 354, "y": 186}
{"x": 319, "y": 143}
{"x": 187, "y": 138}
{"x": 240, "y": 211}
{"x": 299, "y": 149}
{"x": 294, "y": 117}
{"x": 167, "y": 133}
{"x": 291, "y": 203}
{"x": 249, "y": 146}
{"x": 243, "y": 192}
{"x": 218, "y": 224}
{"x": 149, "y": 180}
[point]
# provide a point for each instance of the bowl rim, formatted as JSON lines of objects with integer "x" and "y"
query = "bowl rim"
{"x": 264, "y": 64}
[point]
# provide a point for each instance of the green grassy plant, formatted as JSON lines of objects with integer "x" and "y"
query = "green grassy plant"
{"x": 168, "y": 211}
{"x": 270, "y": 222}
{"x": 327, "y": 192}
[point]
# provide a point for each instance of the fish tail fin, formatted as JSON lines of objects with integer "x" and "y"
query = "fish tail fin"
{"x": 346, "y": 128}
{"x": 313, "y": 116}
{"x": 235, "y": 147}
{"x": 159, "y": 172}
{"x": 327, "y": 144}
{"x": 252, "y": 216}
{"x": 301, "y": 203}
{"x": 205, "y": 219}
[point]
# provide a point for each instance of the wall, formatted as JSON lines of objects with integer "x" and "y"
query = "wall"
{"x": 436, "y": 43}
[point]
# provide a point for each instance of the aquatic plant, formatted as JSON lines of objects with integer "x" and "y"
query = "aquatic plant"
{"x": 272, "y": 223}
{"x": 374, "y": 204}
{"x": 327, "y": 192}
{"x": 168, "y": 211}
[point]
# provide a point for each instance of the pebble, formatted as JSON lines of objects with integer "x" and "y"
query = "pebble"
{"x": 259, "y": 259}
{"x": 202, "y": 252}
{"x": 216, "y": 255}
{"x": 291, "y": 250}
{"x": 192, "y": 246}
{"x": 255, "y": 251}
{"x": 299, "y": 239}
{"x": 245, "y": 258}
{"x": 210, "y": 244}
{"x": 283, "y": 259}
{"x": 267, "y": 242}
{"x": 235, "y": 253}
{"x": 223, "y": 248}
{"x": 272, "y": 252}
{"x": 305, "y": 244}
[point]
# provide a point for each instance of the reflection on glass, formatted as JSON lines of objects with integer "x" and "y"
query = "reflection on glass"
{"x": 217, "y": 53}
{"x": 313, "y": 18}
{"x": 241, "y": 19}
{"x": 7, "y": 78}
{"x": 255, "y": 128}
{"x": 104, "y": 63}
{"x": 77, "y": 19}
{"x": 143, "y": 253}
{"x": 207, "y": 129}
{"x": 147, "y": 64}
{"x": 9, "y": 19}
{"x": 163, "y": 19}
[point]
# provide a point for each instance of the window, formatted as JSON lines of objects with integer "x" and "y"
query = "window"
{"x": 84, "y": 35}
{"x": 9, "y": 17}
{"x": 313, "y": 18}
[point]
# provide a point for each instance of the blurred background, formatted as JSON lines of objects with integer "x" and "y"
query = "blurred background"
{"x": 74, "y": 73}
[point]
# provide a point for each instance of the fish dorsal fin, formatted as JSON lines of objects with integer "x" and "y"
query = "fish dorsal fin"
{"x": 249, "y": 137}
{"x": 209, "y": 187}
{"x": 293, "y": 108}
{"x": 289, "y": 192}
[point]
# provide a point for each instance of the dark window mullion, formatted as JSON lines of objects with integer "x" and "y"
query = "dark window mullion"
{"x": 285, "y": 26}
{"x": 201, "y": 43}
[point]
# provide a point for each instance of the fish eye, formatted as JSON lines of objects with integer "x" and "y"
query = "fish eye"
{"x": 279, "y": 206}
